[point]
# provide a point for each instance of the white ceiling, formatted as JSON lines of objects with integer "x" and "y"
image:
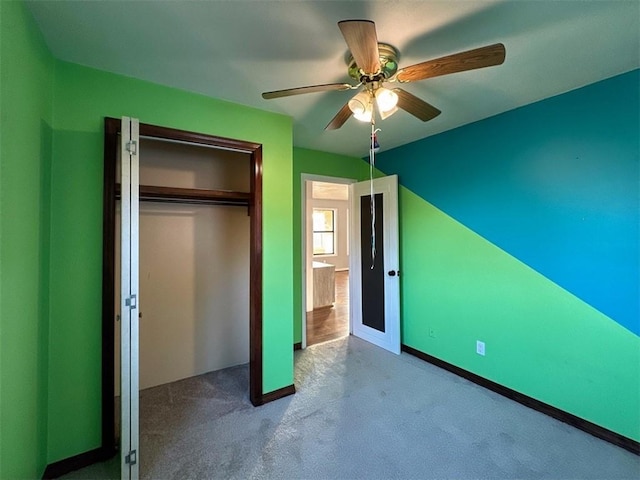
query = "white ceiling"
{"x": 235, "y": 50}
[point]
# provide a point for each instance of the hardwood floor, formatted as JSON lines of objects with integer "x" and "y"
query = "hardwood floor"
{"x": 330, "y": 323}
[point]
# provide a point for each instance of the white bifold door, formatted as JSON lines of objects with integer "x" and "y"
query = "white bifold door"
{"x": 129, "y": 328}
{"x": 374, "y": 263}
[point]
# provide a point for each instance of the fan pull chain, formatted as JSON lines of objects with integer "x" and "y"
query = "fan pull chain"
{"x": 372, "y": 161}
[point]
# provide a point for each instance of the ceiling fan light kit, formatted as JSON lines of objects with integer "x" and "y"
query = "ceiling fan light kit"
{"x": 386, "y": 100}
{"x": 362, "y": 105}
{"x": 374, "y": 66}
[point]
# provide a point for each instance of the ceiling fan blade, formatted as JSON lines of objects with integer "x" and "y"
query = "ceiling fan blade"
{"x": 310, "y": 89}
{"x": 341, "y": 117}
{"x": 458, "y": 62}
{"x": 362, "y": 41}
{"x": 416, "y": 106}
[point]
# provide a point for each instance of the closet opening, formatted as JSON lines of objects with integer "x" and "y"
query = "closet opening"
{"x": 183, "y": 201}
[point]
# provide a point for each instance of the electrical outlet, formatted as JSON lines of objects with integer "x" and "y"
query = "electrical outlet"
{"x": 480, "y": 348}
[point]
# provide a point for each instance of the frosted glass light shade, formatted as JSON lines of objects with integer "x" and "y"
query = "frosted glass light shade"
{"x": 361, "y": 106}
{"x": 386, "y": 100}
{"x": 364, "y": 116}
{"x": 388, "y": 113}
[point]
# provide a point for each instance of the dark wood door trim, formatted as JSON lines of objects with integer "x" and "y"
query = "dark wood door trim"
{"x": 254, "y": 150}
{"x": 111, "y": 131}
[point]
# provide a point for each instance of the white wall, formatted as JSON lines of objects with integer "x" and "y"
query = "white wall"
{"x": 194, "y": 290}
{"x": 194, "y": 266}
{"x": 341, "y": 257}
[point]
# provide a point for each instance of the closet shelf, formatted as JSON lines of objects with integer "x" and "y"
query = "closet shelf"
{"x": 154, "y": 193}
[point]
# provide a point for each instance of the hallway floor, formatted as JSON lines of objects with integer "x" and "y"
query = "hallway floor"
{"x": 330, "y": 323}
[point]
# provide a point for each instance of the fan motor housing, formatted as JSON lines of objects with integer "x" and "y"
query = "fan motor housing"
{"x": 388, "y": 64}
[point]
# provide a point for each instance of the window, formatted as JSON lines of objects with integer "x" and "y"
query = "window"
{"x": 324, "y": 231}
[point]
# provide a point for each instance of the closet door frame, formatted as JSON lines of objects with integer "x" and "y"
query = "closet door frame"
{"x": 254, "y": 150}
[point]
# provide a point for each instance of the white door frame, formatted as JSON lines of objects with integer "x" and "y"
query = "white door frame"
{"x": 304, "y": 178}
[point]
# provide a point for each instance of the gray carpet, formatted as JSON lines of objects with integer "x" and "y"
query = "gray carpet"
{"x": 360, "y": 412}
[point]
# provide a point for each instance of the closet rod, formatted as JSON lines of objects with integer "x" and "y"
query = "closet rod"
{"x": 190, "y": 195}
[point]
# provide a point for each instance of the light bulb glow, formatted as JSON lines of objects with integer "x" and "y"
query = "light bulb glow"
{"x": 361, "y": 106}
{"x": 386, "y": 100}
{"x": 364, "y": 116}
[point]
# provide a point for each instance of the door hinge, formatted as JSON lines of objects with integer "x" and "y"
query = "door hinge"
{"x": 132, "y": 147}
{"x": 131, "y": 458}
{"x": 131, "y": 302}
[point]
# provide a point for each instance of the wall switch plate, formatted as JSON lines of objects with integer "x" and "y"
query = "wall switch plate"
{"x": 432, "y": 333}
{"x": 480, "y": 348}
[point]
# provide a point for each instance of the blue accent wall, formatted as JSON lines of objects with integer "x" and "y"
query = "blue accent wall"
{"x": 555, "y": 184}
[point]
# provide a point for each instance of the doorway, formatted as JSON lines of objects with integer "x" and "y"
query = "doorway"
{"x": 252, "y": 200}
{"x": 325, "y": 238}
{"x": 373, "y": 259}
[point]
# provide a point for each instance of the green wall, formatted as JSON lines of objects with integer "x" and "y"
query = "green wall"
{"x": 540, "y": 339}
{"x": 315, "y": 163}
{"x": 51, "y": 146}
{"x": 530, "y": 244}
{"x": 26, "y": 76}
{"x": 83, "y": 97}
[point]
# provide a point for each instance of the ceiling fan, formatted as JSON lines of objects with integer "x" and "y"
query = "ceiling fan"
{"x": 374, "y": 66}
